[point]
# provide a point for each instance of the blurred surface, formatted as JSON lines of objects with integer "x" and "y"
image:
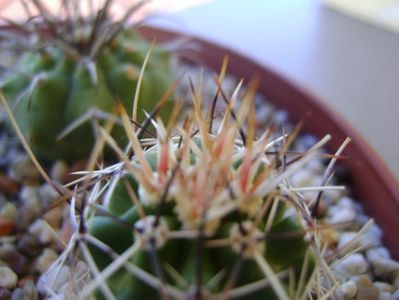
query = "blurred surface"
{"x": 384, "y": 13}
{"x": 351, "y": 65}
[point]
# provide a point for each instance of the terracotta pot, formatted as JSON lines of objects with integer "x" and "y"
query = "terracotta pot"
{"x": 372, "y": 182}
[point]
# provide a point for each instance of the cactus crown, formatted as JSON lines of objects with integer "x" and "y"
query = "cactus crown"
{"x": 195, "y": 211}
{"x": 81, "y": 29}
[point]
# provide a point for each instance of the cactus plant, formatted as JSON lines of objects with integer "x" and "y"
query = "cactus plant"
{"x": 196, "y": 212}
{"x": 74, "y": 69}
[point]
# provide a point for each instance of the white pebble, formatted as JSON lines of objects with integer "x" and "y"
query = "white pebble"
{"x": 354, "y": 264}
{"x": 384, "y": 267}
{"x": 44, "y": 261}
{"x": 332, "y": 196}
{"x": 263, "y": 112}
{"x": 385, "y": 296}
{"x": 346, "y": 202}
{"x": 23, "y": 170}
{"x": 9, "y": 210}
{"x": 368, "y": 240}
{"x": 47, "y": 195}
{"x": 362, "y": 219}
{"x": 345, "y": 238}
{"x": 377, "y": 253}
{"x": 347, "y": 290}
{"x": 344, "y": 214}
{"x": 316, "y": 166}
{"x": 42, "y": 230}
{"x": 301, "y": 178}
{"x": 365, "y": 288}
{"x": 6, "y": 248}
{"x": 383, "y": 286}
{"x": 281, "y": 116}
{"x": 59, "y": 171}
{"x": 8, "y": 279}
{"x": 375, "y": 232}
{"x": 29, "y": 193}
{"x": 308, "y": 140}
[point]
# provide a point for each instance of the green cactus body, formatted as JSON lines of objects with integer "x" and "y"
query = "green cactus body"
{"x": 197, "y": 214}
{"x": 195, "y": 263}
{"x": 60, "y": 95}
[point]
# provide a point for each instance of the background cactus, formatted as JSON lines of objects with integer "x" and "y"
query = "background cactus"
{"x": 74, "y": 69}
{"x": 196, "y": 213}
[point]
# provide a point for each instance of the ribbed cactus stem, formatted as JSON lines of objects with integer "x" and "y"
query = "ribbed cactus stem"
{"x": 199, "y": 215}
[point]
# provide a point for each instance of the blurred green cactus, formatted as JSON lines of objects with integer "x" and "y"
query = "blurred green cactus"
{"x": 78, "y": 67}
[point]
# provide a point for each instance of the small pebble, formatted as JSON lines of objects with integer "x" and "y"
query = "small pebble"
{"x": 5, "y": 294}
{"x": 6, "y": 248}
{"x": 346, "y": 202}
{"x": 301, "y": 178}
{"x": 29, "y": 245}
{"x": 47, "y": 195}
{"x": 377, "y": 253}
{"x": 281, "y": 117}
{"x": 59, "y": 171}
{"x": 341, "y": 214}
{"x": 362, "y": 219}
{"x": 8, "y": 278}
{"x": 24, "y": 171}
{"x": 7, "y": 226}
{"x": 366, "y": 241}
{"x": 347, "y": 290}
{"x": 18, "y": 294}
{"x": 345, "y": 238}
{"x": 29, "y": 194}
{"x": 264, "y": 112}
{"x": 26, "y": 279}
{"x": 385, "y": 296}
{"x": 9, "y": 210}
{"x": 383, "y": 286}
{"x": 366, "y": 289}
{"x": 18, "y": 262}
{"x": 373, "y": 237}
{"x": 43, "y": 231}
{"x": 29, "y": 291}
{"x": 45, "y": 260}
{"x": 384, "y": 267}
{"x": 332, "y": 196}
{"x": 316, "y": 166}
{"x": 355, "y": 264}
{"x": 25, "y": 218}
